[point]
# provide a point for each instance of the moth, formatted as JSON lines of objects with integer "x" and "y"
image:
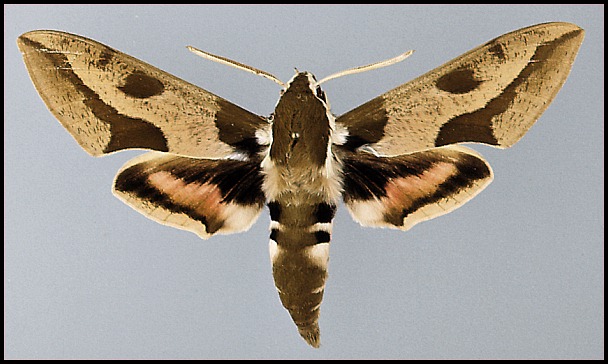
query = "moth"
{"x": 394, "y": 161}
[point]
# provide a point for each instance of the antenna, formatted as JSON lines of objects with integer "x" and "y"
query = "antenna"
{"x": 368, "y": 67}
{"x": 235, "y": 64}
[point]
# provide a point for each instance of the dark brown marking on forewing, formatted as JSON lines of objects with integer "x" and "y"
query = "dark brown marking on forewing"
{"x": 105, "y": 58}
{"x": 459, "y": 81}
{"x": 248, "y": 145}
{"x": 477, "y": 126}
{"x": 365, "y": 123}
{"x": 470, "y": 127}
{"x": 237, "y": 126}
{"x": 141, "y": 86}
{"x": 126, "y": 131}
{"x": 498, "y": 51}
{"x": 353, "y": 142}
{"x": 129, "y": 132}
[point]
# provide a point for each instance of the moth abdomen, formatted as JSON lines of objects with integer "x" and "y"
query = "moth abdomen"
{"x": 299, "y": 276}
{"x": 299, "y": 252}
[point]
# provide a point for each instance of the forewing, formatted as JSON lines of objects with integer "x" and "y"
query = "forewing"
{"x": 492, "y": 94}
{"x": 110, "y": 101}
{"x": 399, "y": 192}
{"x": 203, "y": 196}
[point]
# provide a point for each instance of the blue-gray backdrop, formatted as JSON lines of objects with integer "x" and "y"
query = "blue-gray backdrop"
{"x": 515, "y": 273}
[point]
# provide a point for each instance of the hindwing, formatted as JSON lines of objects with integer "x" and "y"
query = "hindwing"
{"x": 199, "y": 195}
{"x": 399, "y": 192}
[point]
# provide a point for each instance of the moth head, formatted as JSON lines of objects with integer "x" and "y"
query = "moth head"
{"x": 303, "y": 83}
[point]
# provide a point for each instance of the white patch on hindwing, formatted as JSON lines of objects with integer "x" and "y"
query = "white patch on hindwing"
{"x": 238, "y": 218}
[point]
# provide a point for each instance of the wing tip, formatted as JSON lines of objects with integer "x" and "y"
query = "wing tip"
{"x": 28, "y": 39}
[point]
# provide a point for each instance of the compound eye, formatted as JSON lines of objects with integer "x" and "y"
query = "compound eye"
{"x": 320, "y": 93}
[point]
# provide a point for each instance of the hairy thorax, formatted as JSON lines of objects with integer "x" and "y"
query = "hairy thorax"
{"x": 301, "y": 185}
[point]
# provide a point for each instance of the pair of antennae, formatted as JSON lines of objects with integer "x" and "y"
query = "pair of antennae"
{"x": 269, "y": 76}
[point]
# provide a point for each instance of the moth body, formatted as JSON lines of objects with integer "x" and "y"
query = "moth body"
{"x": 302, "y": 184}
{"x": 300, "y": 157}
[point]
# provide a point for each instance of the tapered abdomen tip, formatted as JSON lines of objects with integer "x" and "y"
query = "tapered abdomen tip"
{"x": 311, "y": 334}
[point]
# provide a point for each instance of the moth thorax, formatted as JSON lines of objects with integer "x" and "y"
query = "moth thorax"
{"x": 301, "y": 126}
{"x": 300, "y": 164}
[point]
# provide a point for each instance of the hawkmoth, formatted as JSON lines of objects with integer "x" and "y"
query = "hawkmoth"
{"x": 394, "y": 161}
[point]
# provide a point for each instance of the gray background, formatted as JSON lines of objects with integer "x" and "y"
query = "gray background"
{"x": 515, "y": 273}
